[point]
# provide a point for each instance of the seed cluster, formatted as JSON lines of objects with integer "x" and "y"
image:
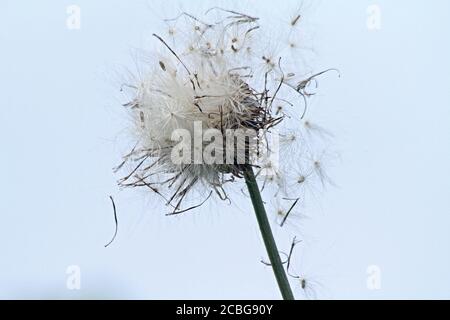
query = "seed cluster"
{"x": 219, "y": 70}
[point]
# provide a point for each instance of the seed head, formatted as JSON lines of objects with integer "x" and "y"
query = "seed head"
{"x": 209, "y": 105}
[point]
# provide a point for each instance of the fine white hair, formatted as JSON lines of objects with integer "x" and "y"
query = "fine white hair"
{"x": 218, "y": 71}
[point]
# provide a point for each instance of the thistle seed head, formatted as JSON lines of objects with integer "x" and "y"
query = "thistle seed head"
{"x": 208, "y": 106}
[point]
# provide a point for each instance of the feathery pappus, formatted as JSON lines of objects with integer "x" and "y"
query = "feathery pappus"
{"x": 211, "y": 103}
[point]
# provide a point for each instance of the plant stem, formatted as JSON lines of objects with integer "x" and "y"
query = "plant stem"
{"x": 267, "y": 235}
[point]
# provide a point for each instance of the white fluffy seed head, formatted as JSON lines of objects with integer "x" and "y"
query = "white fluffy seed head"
{"x": 214, "y": 74}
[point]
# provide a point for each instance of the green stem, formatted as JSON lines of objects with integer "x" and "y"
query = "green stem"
{"x": 267, "y": 235}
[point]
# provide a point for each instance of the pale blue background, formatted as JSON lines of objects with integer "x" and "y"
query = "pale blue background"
{"x": 60, "y": 135}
